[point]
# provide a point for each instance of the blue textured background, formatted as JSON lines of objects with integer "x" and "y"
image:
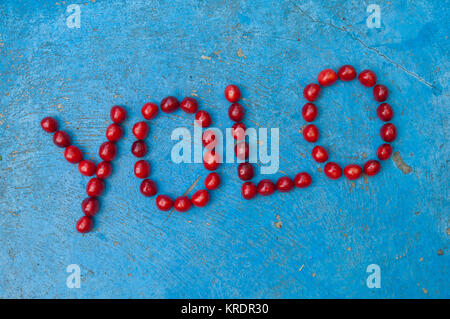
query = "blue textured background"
{"x": 324, "y": 237}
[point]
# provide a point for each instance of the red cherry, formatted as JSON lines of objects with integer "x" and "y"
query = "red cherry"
{"x": 90, "y": 206}
{"x": 140, "y": 130}
{"x": 242, "y": 150}
{"x": 372, "y": 167}
{"x": 104, "y": 170}
{"x": 142, "y": 169}
{"x": 209, "y": 140}
{"x": 139, "y": 148}
{"x": 169, "y": 104}
{"x": 149, "y": 110}
{"x": 367, "y": 78}
{"x": 249, "y": 190}
{"x": 148, "y": 188}
{"x": 114, "y": 132}
{"x": 211, "y": 160}
{"x": 302, "y": 180}
{"x": 118, "y": 114}
{"x": 266, "y": 187}
{"x": 61, "y": 139}
{"x": 232, "y": 93}
{"x": 200, "y": 198}
{"x": 380, "y": 93}
{"x": 311, "y": 133}
{"x": 332, "y": 170}
{"x": 319, "y": 154}
{"x": 327, "y": 77}
{"x": 107, "y": 151}
{"x": 236, "y": 112}
{"x": 95, "y": 187}
{"x": 212, "y": 181}
{"x": 182, "y": 204}
{"x": 245, "y": 171}
{"x": 202, "y": 118}
{"x": 164, "y": 202}
{"x": 238, "y": 131}
{"x": 347, "y": 73}
{"x": 388, "y": 132}
{"x": 309, "y": 112}
{"x": 385, "y": 112}
{"x": 311, "y": 92}
{"x": 189, "y": 105}
{"x": 285, "y": 184}
{"x": 384, "y": 152}
{"x": 352, "y": 171}
{"x": 49, "y": 124}
{"x": 87, "y": 168}
{"x": 73, "y": 154}
{"x": 85, "y": 224}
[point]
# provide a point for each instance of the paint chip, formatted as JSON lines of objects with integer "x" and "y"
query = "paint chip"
{"x": 398, "y": 160}
{"x": 241, "y": 54}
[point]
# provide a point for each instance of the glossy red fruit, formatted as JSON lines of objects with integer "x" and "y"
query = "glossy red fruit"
{"x": 212, "y": 181}
{"x": 385, "y": 112}
{"x": 104, "y": 170}
{"x": 107, "y": 151}
{"x": 139, "y": 148}
{"x": 352, "y": 171}
{"x": 245, "y": 171}
{"x": 49, "y": 124}
{"x": 87, "y": 168}
{"x": 90, "y": 206}
{"x": 148, "y": 188}
{"x": 327, "y": 77}
{"x": 61, "y": 139}
{"x": 236, "y": 112}
{"x": 140, "y": 130}
{"x": 95, "y": 187}
{"x": 309, "y": 112}
{"x": 285, "y": 184}
{"x": 384, "y": 152}
{"x": 149, "y": 110}
{"x": 238, "y": 131}
{"x": 347, "y": 73}
{"x": 302, "y": 180}
{"x": 319, "y": 154}
{"x": 372, "y": 168}
{"x": 311, "y": 92}
{"x": 189, "y": 105}
{"x": 232, "y": 93}
{"x": 242, "y": 150}
{"x": 142, "y": 169}
{"x": 118, "y": 114}
{"x": 85, "y": 224}
{"x": 380, "y": 93}
{"x": 211, "y": 160}
{"x": 266, "y": 187}
{"x": 114, "y": 132}
{"x": 249, "y": 190}
{"x": 388, "y": 132}
{"x": 182, "y": 204}
{"x": 169, "y": 104}
{"x": 200, "y": 198}
{"x": 164, "y": 202}
{"x": 311, "y": 133}
{"x": 332, "y": 170}
{"x": 367, "y": 78}
{"x": 73, "y": 154}
{"x": 209, "y": 139}
{"x": 203, "y": 119}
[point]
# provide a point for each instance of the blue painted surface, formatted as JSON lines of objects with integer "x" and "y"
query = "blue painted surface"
{"x": 132, "y": 52}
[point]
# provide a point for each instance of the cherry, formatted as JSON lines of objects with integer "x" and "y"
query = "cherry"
{"x": 332, "y": 170}
{"x": 372, "y": 167}
{"x": 327, "y": 77}
{"x": 90, "y": 206}
{"x": 104, "y": 170}
{"x": 212, "y": 181}
{"x": 285, "y": 184}
{"x": 118, "y": 114}
{"x": 140, "y": 130}
{"x": 85, "y": 224}
{"x": 95, "y": 187}
{"x": 107, "y": 151}
{"x": 73, "y": 154}
{"x": 202, "y": 118}
{"x": 232, "y": 93}
{"x": 367, "y": 78}
{"x": 302, "y": 180}
{"x": 388, "y": 132}
{"x": 319, "y": 154}
{"x": 249, "y": 190}
{"x": 87, "y": 168}
{"x": 385, "y": 112}
{"x": 164, "y": 202}
{"x": 61, "y": 139}
{"x": 384, "y": 152}
{"x": 352, "y": 171}
{"x": 200, "y": 198}
{"x": 142, "y": 169}
{"x": 114, "y": 132}
{"x": 236, "y": 112}
{"x": 309, "y": 112}
{"x": 347, "y": 73}
{"x": 139, "y": 148}
{"x": 245, "y": 171}
{"x": 311, "y": 92}
{"x": 169, "y": 104}
{"x": 211, "y": 160}
{"x": 242, "y": 150}
{"x": 238, "y": 131}
{"x": 49, "y": 124}
{"x": 266, "y": 187}
{"x": 189, "y": 105}
{"x": 311, "y": 133}
{"x": 148, "y": 188}
{"x": 149, "y": 110}
{"x": 380, "y": 93}
{"x": 182, "y": 204}
{"x": 209, "y": 140}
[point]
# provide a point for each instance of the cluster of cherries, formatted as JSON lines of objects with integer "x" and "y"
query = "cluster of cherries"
{"x": 310, "y": 132}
